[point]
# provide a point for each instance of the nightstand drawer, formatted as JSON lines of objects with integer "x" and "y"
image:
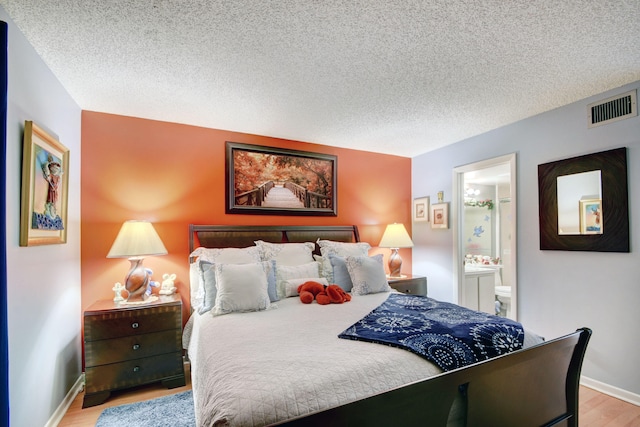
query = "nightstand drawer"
{"x": 414, "y": 285}
{"x": 132, "y": 347}
{"x": 134, "y": 372}
{"x": 131, "y": 322}
{"x": 408, "y": 289}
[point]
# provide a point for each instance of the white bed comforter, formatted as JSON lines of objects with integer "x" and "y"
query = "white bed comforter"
{"x": 253, "y": 369}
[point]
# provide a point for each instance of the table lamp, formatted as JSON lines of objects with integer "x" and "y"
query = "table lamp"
{"x": 136, "y": 240}
{"x": 395, "y": 237}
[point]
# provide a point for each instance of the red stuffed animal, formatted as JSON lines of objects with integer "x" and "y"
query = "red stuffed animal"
{"x": 332, "y": 294}
{"x": 337, "y": 295}
{"x": 309, "y": 290}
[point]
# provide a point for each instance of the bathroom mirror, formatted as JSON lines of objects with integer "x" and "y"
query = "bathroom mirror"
{"x": 583, "y": 203}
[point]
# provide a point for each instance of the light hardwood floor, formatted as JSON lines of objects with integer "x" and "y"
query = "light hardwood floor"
{"x": 596, "y": 409}
{"x": 600, "y": 410}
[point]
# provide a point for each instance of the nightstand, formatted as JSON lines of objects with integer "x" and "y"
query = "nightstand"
{"x": 414, "y": 285}
{"x": 126, "y": 345}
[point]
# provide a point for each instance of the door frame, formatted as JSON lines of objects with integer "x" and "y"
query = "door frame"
{"x": 457, "y": 204}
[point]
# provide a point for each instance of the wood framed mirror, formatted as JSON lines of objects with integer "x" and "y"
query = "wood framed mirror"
{"x": 583, "y": 203}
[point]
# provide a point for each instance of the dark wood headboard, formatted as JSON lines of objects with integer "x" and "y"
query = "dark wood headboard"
{"x": 241, "y": 236}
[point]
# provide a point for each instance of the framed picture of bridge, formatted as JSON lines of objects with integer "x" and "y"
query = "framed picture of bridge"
{"x": 276, "y": 181}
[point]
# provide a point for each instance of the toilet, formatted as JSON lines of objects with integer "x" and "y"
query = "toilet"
{"x": 503, "y": 295}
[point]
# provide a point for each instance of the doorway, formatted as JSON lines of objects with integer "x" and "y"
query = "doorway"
{"x": 484, "y": 229}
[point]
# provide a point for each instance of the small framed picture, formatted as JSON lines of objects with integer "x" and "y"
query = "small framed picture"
{"x": 440, "y": 215}
{"x": 590, "y": 216}
{"x": 421, "y": 209}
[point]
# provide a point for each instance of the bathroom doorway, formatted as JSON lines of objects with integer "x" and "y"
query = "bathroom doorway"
{"x": 484, "y": 228}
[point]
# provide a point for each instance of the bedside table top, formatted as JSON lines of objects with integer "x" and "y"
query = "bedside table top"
{"x": 404, "y": 277}
{"x": 109, "y": 305}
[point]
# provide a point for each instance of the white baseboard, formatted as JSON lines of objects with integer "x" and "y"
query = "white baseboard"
{"x": 58, "y": 414}
{"x": 610, "y": 390}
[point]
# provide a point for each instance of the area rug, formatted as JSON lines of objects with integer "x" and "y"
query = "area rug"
{"x": 175, "y": 410}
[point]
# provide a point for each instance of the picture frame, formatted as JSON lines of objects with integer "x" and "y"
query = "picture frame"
{"x": 591, "y": 216}
{"x": 440, "y": 215}
{"x": 264, "y": 180}
{"x": 421, "y": 209}
{"x": 45, "y": 184}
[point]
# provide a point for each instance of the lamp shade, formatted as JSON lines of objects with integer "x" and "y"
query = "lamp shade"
{"x": 137, "y": 239}
{"x": 395, "y": 236}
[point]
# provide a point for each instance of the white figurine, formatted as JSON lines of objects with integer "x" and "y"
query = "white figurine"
{"x": 118, "y": 288}
{"x": 167, "y": 287}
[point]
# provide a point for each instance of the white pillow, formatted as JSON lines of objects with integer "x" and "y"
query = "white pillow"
{"x": 286, "y": 253}
{"x": 367, "y": 274}
{"x": 241, "y": 287}
{"x": 291, "y": 285}
{"x": 214, "y": 255}
{"x": 343, "y": 249}
{"x": 209, "y": 290}
{"x": 288, "y": 272}
{"x": 196, "y": 286}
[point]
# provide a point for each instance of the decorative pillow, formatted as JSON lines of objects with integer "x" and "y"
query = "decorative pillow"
{"x": 367, "y": 274}
{"x": 196, "y": 287}
{"x": 288, "y": 272}
{"x": 340, "y": 273}
{"x": 212, "y": 255}
{"x": 286, "y": 253}
{"x": 291, "y": 285}
{"x": 343, "y": 249}
{"x": 271, "y": 281}
{"x": 241, "y": 287}
{"x": 210, "y": 290}
{"x": 208, "y": 278}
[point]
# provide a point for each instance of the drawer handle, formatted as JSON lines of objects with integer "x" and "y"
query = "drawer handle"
{"x": 136, "y": 346}
{"x": 135, "y": 325}
{"x": 136, "y": 369}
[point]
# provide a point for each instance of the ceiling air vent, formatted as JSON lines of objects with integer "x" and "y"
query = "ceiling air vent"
{"x": 612, "y": 109}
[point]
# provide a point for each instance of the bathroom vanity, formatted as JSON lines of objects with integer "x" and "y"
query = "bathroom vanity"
{"x": 479, "y": 288}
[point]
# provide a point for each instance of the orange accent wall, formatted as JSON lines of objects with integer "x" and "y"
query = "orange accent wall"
{"x": 174, "y": 175}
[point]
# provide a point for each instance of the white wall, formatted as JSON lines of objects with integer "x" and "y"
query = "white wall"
{"x": 558, "y": 291}
{"x": 43, "y": 294}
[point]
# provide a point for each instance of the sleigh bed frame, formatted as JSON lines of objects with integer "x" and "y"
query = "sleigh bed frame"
{"x": 537, "y": 386}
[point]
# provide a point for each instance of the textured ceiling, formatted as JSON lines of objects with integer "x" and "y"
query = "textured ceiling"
{"x": 401, "y": 76}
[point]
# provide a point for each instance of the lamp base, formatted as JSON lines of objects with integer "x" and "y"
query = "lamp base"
{"x": 137, "y": 281}
{"x": 395, "y": 264}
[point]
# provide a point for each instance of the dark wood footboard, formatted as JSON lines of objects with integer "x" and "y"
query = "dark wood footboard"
{"x": 537, "y": 386}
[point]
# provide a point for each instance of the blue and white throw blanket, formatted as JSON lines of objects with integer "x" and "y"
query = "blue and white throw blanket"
{"x": 446, "y": 334}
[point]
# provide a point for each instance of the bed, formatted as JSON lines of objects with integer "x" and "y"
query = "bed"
{"x": 285, "y": 365}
